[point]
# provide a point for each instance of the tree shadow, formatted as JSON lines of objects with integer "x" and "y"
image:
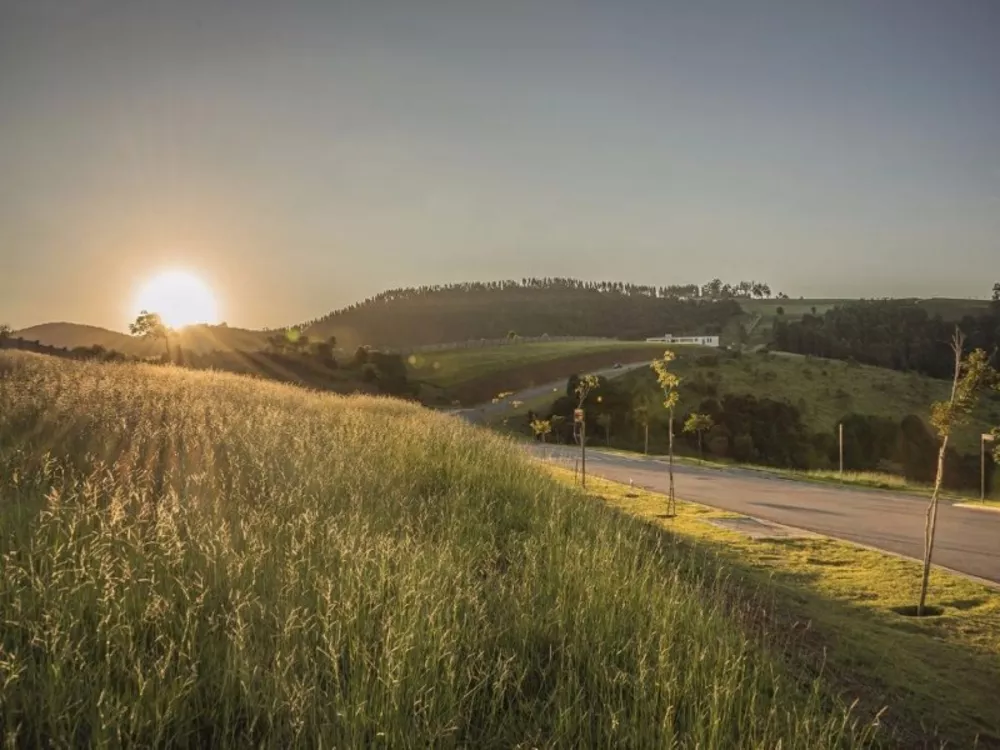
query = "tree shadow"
{"x": 963, "y": 604}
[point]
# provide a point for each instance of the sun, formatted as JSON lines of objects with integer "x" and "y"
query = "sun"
{"x": 180, "y": 297}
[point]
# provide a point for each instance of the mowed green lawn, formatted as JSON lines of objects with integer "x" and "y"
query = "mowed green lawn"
{"x": 454, "y": 366}
{"x": 202, "y": 559}
{"x": 825, "y": 390}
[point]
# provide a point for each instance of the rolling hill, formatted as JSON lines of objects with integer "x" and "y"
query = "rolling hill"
{"x": 259, "y": 566}
{"x": 409, "y": 318}
{"x": 73, "y": 335}
{"x": 824, "y": 390}
{"x": 200, "y": 339}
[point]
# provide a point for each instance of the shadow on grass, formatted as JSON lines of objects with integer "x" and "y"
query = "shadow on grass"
{"x": 964, "y": 604}
{"x": 828, "y": 563}
{"x": 933, "y": 691}
{"x": 911, "y": 610}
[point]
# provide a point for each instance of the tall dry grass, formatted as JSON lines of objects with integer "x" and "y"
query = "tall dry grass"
{"x": 195, "y": 559}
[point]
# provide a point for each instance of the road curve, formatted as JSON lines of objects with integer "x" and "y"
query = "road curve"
{"x": 967, "y": 539}
{"x": 484, "y": 412}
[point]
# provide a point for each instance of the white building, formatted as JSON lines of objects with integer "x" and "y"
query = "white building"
{"x": 687, "y": 340}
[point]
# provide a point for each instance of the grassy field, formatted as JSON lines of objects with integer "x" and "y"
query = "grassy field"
{"x": 453, "y": 366}
{"x": 792, "y": 309}
{"x": 200, "y": 559}
{"x": 936, "y": 677}
{"x": 477, "y": 375}
{"x": 824, "y": 390}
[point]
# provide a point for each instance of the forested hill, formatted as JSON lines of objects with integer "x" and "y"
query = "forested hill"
{"x": 533, "y": 307}
{"x": 898, "y": 334}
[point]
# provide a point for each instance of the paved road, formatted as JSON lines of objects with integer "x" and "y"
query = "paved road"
{"x": 484, "y": 412}
{"x": 967, "y": 540}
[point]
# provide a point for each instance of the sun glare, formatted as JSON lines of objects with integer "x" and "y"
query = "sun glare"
{"x": 181, "y": 299}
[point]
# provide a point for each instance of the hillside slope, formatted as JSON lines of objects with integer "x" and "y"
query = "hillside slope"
{"x": 823, "y": 390}
{"x": 406, "y": 318}
{"x": 199, "y": 339}
{"x": 477, "y": 375}
{"x": 73, "y": 335}
{"x": 259, "y": 566}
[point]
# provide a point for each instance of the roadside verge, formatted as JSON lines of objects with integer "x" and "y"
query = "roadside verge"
{"x": 936, "y": 676}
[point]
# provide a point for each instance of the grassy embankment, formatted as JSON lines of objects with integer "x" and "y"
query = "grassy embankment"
{"x": 824, "y": 390}
{"x": 475, "y": 375}
{"x": 193, "y": 558}
{"x": 936, "y": 675}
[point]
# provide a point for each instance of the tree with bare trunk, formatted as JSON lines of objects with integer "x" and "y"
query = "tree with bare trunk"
{"x": 556, "y": 421}
{"x": 541, "y": 428}
{"x": 971, "y": 374}
{"x": 669, "y": 383}
{"x": 582, "y": 388}
{"x": 643, "y": 404}
{"x": 584, "y": 385}
{"x": 604, "y": 420}
{"x": 699, "y": 424}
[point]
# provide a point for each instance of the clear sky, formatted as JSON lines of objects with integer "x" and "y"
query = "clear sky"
{"x": 300, "y": 156}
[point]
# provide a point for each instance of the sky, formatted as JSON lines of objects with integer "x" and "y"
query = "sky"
{"x": 300, "y": 156}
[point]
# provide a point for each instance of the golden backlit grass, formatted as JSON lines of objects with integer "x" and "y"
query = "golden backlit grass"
{"x": 939, "y": 673}
{"x": 199, "y": 559}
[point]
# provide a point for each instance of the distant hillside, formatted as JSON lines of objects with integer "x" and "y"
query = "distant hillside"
{"x": 195, "y": 339}
{"x": 909, "y": 335}
{"x": 824, "y": 390}
{"x": 772, "y": 311}
{"x": 404, "y": 318}
{"x": 409, "y": 318}
{"x": 784, "y": 410}
{"x": 72, "y": 335}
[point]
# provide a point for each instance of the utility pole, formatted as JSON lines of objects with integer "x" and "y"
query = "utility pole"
{"x": 645, "y": 449}
{"x": 580, "y": 420}
{"x": 840, "y": 432}
{"x": 985, "y": 438}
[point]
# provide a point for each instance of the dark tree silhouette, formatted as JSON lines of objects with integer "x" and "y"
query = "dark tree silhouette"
{"x": 897, "y": 334}
{"x": 150, "y": 325}
{"x": 532, "y": 307}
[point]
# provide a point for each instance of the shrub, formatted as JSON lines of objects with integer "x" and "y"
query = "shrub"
{"x": 743, "y": 449}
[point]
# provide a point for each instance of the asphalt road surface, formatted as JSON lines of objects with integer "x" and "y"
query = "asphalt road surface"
{"x": 484, "y": 412}
{"x": 967, "y": 539}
